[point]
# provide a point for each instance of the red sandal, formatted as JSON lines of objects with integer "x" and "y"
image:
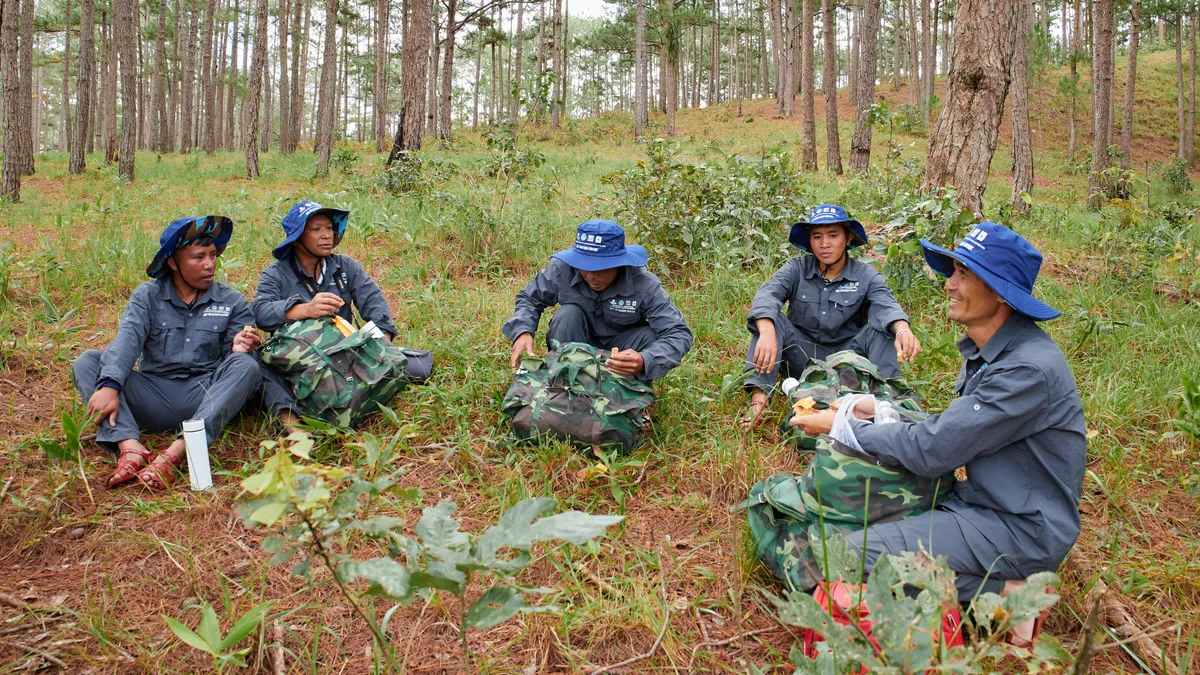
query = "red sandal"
{"x": 161, "y": 473}
{"x": 128, "y": 467}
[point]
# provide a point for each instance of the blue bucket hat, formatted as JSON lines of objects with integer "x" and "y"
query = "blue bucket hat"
{"x": 182, "y": 231}
{"x": 600, "y": 245}
{"x": 297, "y": 218}
{"x": 827, "y": 214}
{"x": 1006, "y": 262}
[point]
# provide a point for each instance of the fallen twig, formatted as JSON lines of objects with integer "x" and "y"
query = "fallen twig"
{"x": 657, "y": 641}
{"x": 277, "y": 664}
{"x": 15, "y": 603}
{"x": 604, "y": 585}
{"x": 1124, "y": 626}
{"x": 722, "y": 643}
{"x": 4, "y": 490}
{"x": 44, "y": 654}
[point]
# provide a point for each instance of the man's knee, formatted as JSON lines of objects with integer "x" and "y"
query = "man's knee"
{"x": 569, "y": 324}
{"x": 879, "y": 348}
{"x": 86, "y": 367}
{"x": 637, "y": 339}
{"x": 242, "y": 367}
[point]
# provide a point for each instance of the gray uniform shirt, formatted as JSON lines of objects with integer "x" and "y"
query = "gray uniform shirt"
{"x": 281, "y": 287}
{"x": 830, "y": 312}
{"x": 1018, "y": 426}
{"x": 167, "y": 338}
{"x": 635, "y": 298}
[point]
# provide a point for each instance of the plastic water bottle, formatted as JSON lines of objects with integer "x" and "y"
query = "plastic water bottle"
{"x": 195, "y": 442}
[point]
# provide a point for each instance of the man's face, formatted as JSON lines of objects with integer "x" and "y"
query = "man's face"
{"x": 828, "y": 242}
{"x": 317, "y": 237}
{"x": 971, "y": 300}
{"x": 196, "y": 263}
{"x": 601, "y": 280}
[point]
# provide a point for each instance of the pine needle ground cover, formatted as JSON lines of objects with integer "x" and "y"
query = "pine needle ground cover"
{"x": 93, "y": 572}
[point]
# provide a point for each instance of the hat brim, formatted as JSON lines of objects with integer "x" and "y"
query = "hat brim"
{"x": 339, "y": 218}
{"x": 158, "y": 266}
{"x": 634, "y": 256}
{"x": 941, "y": 261}
{"x": 800, "y": 237}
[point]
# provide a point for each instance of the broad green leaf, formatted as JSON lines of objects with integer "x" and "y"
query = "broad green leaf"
{"x": 273, "y": 544}
{"x": 496, "y": 606}
{"x": 437, "y": 528}
{"x": 283, "y": 555}
{"x": 300, "y": 444}
{"x": 386, "y": 576}
{"x": 249, "y": 621}
{"x": 188, "y": 636}
{"x": 800, "y": 609}
{"x": 258, "y": 483}
{"x": 513, "y": 530}
{"x": 70, "y": 430}
{"x": 575, "y": 527}
{"x": 379, "y": 526}
{"x": 210, "y": 627}
{"x": 267, "y": 514}
{"x": 427, "y": 580}
{"x": 56, "y": 450}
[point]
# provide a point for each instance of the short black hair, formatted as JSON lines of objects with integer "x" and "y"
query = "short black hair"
{"x": 202, "y": 240}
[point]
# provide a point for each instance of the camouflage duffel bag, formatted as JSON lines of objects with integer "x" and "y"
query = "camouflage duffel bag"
{"x": 847, "y": 372}
{"x": 786, "y": 510}
{"x": 340, "y": 379}
{"x": 571, "y": 396}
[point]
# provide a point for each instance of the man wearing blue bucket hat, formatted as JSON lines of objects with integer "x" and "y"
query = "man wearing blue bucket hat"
{"x": 607, "y": 299}
{"x": 191, "y": 339}
{"x": 835, "y": 303}
{"x": 308, "y": 281}
{"x": 1017, "y": 429}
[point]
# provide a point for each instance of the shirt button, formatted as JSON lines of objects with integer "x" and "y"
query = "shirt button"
{"x": 189, "y": 313}
{"x": 190, "y": 339}
{"x": 823, "y": 311}
{"x": 977, "y": 406}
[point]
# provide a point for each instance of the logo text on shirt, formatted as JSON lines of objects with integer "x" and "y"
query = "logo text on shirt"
{"x": 217, "y": 310}
{"x": 623, "y": 306}
{"x": 851, "y": 287}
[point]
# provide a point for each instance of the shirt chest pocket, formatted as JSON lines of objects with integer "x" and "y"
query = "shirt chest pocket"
{"x": 165, "y": 343}
{"x": 846, "y": 304}
{"x": 804, "y": 309}
{"x": 621, "y": 312}
{"x": 209, "y": 335}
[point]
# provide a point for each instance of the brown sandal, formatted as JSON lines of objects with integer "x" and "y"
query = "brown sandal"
{"x": 756, "y": 415}
{"x": 161, "y": 473}
{"x": 128, "y": 467}
{"x": 1023, "y": 643}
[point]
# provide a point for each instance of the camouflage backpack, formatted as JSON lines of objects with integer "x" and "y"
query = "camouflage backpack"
{"x": 335, "y": 378}
{"x": 786, "y": 510}
{"x": 571, "y": 396}
{"x": 846, "y": 372}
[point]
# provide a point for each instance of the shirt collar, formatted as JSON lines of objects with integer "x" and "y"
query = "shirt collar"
{"x": 991, "y": 349}
{"x": 331, "y": 264}
{"x": 849, "y": 273}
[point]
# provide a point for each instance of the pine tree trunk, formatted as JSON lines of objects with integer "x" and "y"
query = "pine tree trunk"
{"x": 853, "y": 21}
{"x": 379, "y": 125}
{"x": 64, "y": 142}
{"x": 207, "y": 80}
{"x": 639, "y": 64}
{"x": 914, "y": 50}
{"x": 431, "y": 104}
{"x": 931, "y": 71}
{"x": 257, "y": 67}
{"x": 415, "y": 68}
{"x": 1102, "y": 91}
{"x": 110, "y": 90}
{"x": 326, "y": 104}
{"x": 173, "y": 77}
{"x": 1076, "y": 52}
{"x": 83, "y": 87}
{"x": 897, "y": 41}
{"x": 158, "y": 115}
{"x": 860, "y": 142}
{"x": 556, "y": 104}
{"x": 1135, "y": 20}
{"x": 1190, "y": 132}
{"x": 300, "y": 71}
{"x": 923, "y": 48}
{"x": 964, "y": 137}
{"x": 267, "y": 122}
{"x": 792, "y": 58}
{"x": 1022, "y": 168}
{"x": 444, "y": 105}
{"x": 733, "y": 72}
{"x": 808, "y": 83}
{"x": 187, "y": 114}
{"x": 231, "y": 90}
{"x": 125, "y": 30}
{"x": 285, "y": 88}
{"x": 777, "y": 51}
{"x": 24, "y": 118}
{"x": 514, "y": 115}
{"x": 10, "y": 182}
{"x": 714, "y": 62}
{"x": 833, "y": 150}
{"x": 219, "y": 72}
{"x": 478, "y": 69}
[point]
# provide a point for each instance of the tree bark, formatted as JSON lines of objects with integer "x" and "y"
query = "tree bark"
{"x": 444, "y": 124}
{"x": 415, "y": 66}
{"x": 10, "y": 182}
{"x": 300, "y": 73}
{"x": 1190, "y": 132}
{"x": 65, "y": 139}
{"x": 207, "y": 81}
{"x": 1022, "y": 168}
{"x": 1102, "y": 90}
{"x": 24, "y": 118}
{"x": 923, "y": 48}
{"x": 326, "y": 105}
{"x": 778, "y": 51}
{"x": 258, "y": 65}
{"x": 478, "y": 69}
{"x": 519, "y": 67}
{"x": 158, "y": 116}
{"x": 860, "y": 142}
{"x": 83, "y": 87}
{"x": 231, "y": 80}
{"x": 556, "y": 104}
{"x": 639, "y": 64}
{"x": 110, "y": 89}
{"x": 964, "y": 137}
{"x": 808, "y": 83}
{"x": 1135, "y": 20}
{"x": 285, "y": 88}
{"x": 1076, "y": 52}
{"x": 127, "y": 42}
{"x": 265, "y": 136}
{"x": 187, "y": 113}
{"x": 833, "y": 150}
{"x": 897, "y": 42}
{"x": 431, "y": 104}
{"x": 379, "y": 123}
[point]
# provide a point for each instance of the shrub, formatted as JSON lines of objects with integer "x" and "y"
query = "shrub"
{"x": 939, "y": 218}
{"x": 506, "y": 157}
{"x": 1175, "y": 176}
{"x": 725, "y": 213}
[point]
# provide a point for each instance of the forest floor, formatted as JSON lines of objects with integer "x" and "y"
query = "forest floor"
{"x": 95, "y": 572}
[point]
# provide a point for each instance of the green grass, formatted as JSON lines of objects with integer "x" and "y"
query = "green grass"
{"x": 450, "y": 259}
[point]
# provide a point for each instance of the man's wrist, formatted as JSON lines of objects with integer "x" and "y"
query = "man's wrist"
{"x": 109, "y": 383}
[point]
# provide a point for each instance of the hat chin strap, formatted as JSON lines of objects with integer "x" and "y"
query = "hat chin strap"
{"x": 826, "y": 268}
{"x": 182, "y": 278}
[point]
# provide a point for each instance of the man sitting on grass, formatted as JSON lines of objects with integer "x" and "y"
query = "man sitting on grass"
{"x": 1017, "y": 426}
{"x": 191, "y": 338}
{"x": 606, "y": 299}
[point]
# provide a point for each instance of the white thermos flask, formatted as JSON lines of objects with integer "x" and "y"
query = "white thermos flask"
{"x": 788, "y": 385}
{"x": 196, "y": 443}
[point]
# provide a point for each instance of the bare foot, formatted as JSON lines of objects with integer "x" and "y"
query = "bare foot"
{"x": 133, "y": 457}
{"x": 758, "y": 406}
{"x": 289, "y": 420}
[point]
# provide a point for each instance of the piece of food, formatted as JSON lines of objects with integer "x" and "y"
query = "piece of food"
{"x": 615, "y": 351}
{"x": 592, "y": 471}
{"x": 804, "y": 406}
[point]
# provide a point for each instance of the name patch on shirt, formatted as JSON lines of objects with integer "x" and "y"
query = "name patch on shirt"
{"x": 623, "y": 306}
{"x": 851, "y": 287}
{"x": 217, "y": 310}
